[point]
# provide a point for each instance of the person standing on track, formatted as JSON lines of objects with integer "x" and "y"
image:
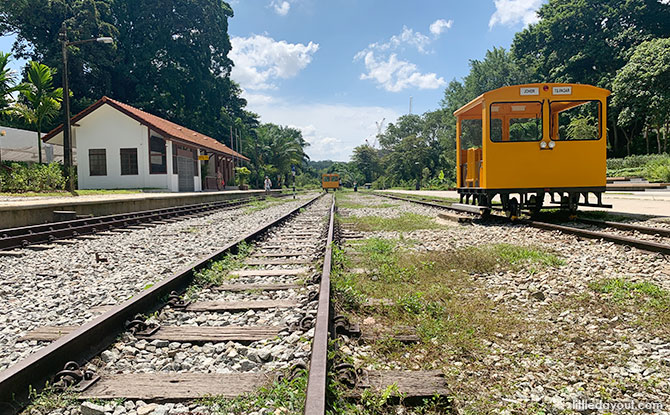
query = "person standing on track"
{"x": 268, "y": 184}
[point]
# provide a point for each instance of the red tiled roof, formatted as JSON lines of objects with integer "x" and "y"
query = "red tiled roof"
{"x": 161, "y": 125}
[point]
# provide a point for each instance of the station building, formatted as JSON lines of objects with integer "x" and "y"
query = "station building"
{"x": 121, "y": 147}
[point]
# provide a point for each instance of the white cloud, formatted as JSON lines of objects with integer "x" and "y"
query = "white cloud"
{"x": 281, "y": 7}
{"x": 439, "y": 26}
{"x": 394, "y": 74}
{"x": 333, "y": 130}
{"x": 511, "y": 12}
{"x": 406, "y": 37}
{"x": 259, "y": 60}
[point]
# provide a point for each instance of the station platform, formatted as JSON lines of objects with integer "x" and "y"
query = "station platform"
{"x": 647, "y": 203}
{"x": 25, "y": 211}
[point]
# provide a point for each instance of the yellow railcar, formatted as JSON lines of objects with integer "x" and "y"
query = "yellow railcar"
{"x": 521, "y": 143}
{"x": 330, "y": 181}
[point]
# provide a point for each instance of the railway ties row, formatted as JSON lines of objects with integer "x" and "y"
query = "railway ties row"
{"x": 227, "y": 339}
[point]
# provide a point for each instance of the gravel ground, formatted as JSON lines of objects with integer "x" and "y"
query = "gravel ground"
{"x": 292, "y": 346}
{"x": 581, "y": 354}
{"x": 64, "y": 284}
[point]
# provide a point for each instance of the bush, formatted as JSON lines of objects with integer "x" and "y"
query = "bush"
{"x": 20, "y": 178}
{"x": 653, "y": 167}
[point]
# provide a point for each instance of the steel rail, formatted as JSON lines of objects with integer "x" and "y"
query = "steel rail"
{"x": 423, "y": 202}
{"x": 31, "y": 373}
{"x": 649, "y": 230}
{"x": 618, "y": 239}
{"x": 315, "y": 399}
{"x": 49, "y": 232}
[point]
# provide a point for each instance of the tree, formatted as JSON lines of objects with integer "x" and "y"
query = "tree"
{"x": 7, "y": 84}
{"x": 642, "y": 89}
{"x": 367, "y": 161}
{"x": 587, "y": 42}
{"x": 43, "y": 101}
{"x": 170, "y": 57}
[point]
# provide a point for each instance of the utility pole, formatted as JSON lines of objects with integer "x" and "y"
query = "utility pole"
{"x": 410, "y": 105}
{"x": 67, "y": 130}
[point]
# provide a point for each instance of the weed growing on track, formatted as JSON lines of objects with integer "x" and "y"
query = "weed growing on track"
{"x": 285, "y": 396}
{"x": 259, "y": 205}
{"x": 217, "y": 273}
{"x": 644, "y": 297}
{"x": 434, "y": 295}
{"x": 49, "y": 400}
{"x": 406, "y": 222}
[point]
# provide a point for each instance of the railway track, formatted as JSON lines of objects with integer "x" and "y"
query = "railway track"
{"x": 615, "y": 237}
{"x": 261, "y": 320}
{"x": 24, "y": 237}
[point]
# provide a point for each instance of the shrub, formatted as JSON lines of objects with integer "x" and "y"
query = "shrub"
{"x": 20, "y": 178}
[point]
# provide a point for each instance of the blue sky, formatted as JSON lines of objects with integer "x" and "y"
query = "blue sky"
{"x": 334, "y": 68}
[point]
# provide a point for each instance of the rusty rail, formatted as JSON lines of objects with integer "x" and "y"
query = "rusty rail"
{"x": 618, "y": 239}
{"x": 27, "y": 235}
{"x": 315, "y": 400}
{"x": 96, "y": 335}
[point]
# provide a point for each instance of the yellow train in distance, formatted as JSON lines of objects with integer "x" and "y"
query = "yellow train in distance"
{"x": 522, "y": 143}
{"x": 330, "y": 181}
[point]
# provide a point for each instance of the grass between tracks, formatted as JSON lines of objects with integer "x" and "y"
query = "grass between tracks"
{"x": 259, "y": 205}
{"x": 217, "y": 272}
{"x": 433, "y": 294}
{"x": 283, "y": 397}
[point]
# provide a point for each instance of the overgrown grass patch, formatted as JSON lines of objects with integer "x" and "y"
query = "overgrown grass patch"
{"x": 285, "y": 396}
{"x": 258, "y": 205}
{"x": 406, "y": 222}
{"x": 217, "y": 272}
{"x": 49, "y": 400}
{"x": 645, "y": 294}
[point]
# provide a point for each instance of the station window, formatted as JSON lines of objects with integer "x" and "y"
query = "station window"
{"x": 97, "y": 162}
{"x": 158, "y": 156}
{"x": 471, "y": 133}
{"x": 129, "y": 161}
{"x": 575, "y": 120}
{"x": 515, "y": 121}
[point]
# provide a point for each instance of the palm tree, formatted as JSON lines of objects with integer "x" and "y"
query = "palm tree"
{"x": 43, "y": 101}
{"x": 7, "y": 84}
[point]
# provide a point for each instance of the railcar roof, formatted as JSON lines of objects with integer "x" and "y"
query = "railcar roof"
{"x": 474, "y": 107}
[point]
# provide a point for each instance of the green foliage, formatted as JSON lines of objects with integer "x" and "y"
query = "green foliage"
{"x": 286, "y": 396}
{"x": 406, "y": 222}
{"x": 42, "y": 100}
{"x": 646, "y": 293}
{"x": 19, "y": 178}
{"x": 653, "y": 167}
{"x": 170, "y": 60}
{"x": 242, "y": 174}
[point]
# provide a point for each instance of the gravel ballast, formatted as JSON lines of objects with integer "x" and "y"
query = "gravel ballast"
{"x": 578, "y": 354}
{"x": 66, "y": 285}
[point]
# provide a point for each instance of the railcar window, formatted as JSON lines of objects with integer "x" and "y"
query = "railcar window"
{"x": 575, "y": 120}
{"x": 471, "y": 134}
{"x": 515, "y": 121}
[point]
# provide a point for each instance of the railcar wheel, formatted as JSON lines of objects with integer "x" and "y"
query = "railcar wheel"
{"x": 535, "y": 203}
{"x": 513, "y": 211}
{"x": 483, "y": 202}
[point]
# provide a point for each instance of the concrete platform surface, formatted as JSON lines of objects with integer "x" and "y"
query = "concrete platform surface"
{"x": 650, "y": 203}
{"x": 16, "y": 212}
